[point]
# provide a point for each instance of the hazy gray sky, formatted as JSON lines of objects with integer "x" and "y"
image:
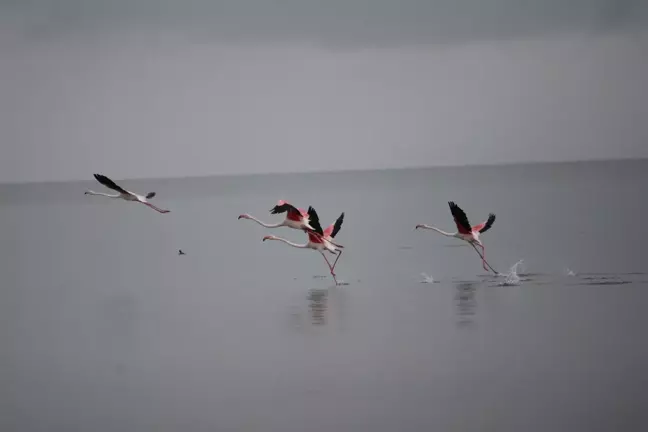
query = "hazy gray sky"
{"x": 144, "y": 88}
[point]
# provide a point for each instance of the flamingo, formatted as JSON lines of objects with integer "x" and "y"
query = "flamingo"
{"x": 466, "y": 232}
{"x": 123, "y": 193}
{"x": 296, "y": 218}
{"x": 316, "y": 240}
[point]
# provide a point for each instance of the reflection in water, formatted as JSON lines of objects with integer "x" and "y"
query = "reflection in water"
{"x": 465, "y": 302}
{"x": 318, "y": 305}
{"x": 326, "y": 306}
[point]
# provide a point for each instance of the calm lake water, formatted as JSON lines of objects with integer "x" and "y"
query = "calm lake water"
{"x": 104, "y": 327}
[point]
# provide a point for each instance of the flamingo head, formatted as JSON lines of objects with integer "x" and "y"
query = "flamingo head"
{"x": 244, "y": 216}
{"x": 418, "y": 226}
{"x": 269, "y": 237}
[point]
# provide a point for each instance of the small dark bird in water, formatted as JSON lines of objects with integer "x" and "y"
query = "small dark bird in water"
{"x": 180, "y": 252}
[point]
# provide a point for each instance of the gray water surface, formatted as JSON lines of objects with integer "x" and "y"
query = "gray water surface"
{"x": 104, "y": 327}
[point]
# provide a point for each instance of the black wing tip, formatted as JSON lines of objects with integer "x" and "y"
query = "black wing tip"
{"x": 102, "y": 179}
{"x": 311, "y": 210}
{"x": 489, "y": 223}
{"x": 313, "y": 220}
{"x": 454, "y": 207}
{"x": 282, "y": 208}
{"x": 278, "y": 209}
{"x": 109, "y": 183}
{"x": 338, "y": 225}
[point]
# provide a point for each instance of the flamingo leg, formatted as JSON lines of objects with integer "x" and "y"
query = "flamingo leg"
{"x": 337, "y": 258}
{"x": 484, "y": 262}
{"x": 483, "y": 257}
{"x": 156, "y": 208}
{"x": 330, "y": 268}
{"x": 480, "y": 255}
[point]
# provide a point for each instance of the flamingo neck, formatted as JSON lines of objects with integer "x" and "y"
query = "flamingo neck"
{"x": 288, "y": 242}
{"x": 447, "y": 234}
{"x": 90, "y": 192}
{"x": 263, "y": 224}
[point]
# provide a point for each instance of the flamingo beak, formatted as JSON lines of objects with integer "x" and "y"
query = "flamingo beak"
{"x": 267, "y": 238}
{"x": 418, "y": 226}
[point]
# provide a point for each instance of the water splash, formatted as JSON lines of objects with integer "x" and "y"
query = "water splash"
{"x": 427, "y": 279}
{"x": 512, "y": 278}
{"x": 570, "y": 272}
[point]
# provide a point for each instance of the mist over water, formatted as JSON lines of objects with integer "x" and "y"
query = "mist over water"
{"x": 105, "y": 327}
{"x": 339, "y": 24}
{"x": 252, "y": 86}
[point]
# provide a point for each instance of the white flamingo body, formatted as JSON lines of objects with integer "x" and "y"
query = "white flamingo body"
{"x": 298, "y": 225}
{"x": 465, "y": 231}
{"x": 123, "y": 193}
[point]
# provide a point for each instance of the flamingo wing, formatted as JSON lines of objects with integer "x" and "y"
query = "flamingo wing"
{"x": 284, "y": 207}
{"x": 334, "y": 228}
{"x": 460, "y": 218}
{"x": 485, "y": 226}
{"x": 314, "y": 221}
{"x": 110, "y": 184}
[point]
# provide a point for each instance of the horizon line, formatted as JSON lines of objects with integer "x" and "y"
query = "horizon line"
{"x": 338, "y": 171}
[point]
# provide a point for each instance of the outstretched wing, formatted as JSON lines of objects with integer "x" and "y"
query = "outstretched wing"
{"x": 284, "y": 207}
{"x": 313, "y": 219}
{"x": 485, "y": 226}
{"x": 460, "y": 218}
{"x": 334, "y": 228}
{"x": 110, "y": 184}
